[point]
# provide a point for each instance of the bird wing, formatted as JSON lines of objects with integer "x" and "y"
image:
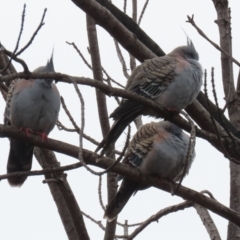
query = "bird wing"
{"x": 7, "y": 113}
{"x": 149, "y": 80}
{"x": 141, "y": 144}
{"x": 153, "y": 77}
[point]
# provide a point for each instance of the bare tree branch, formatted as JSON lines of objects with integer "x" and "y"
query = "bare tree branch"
{"x": 132, "y": 27}
{"x": 224, "y": 27}
{"x": 158, "y": 215}
{"x": 103, "y": 116}
{"x": 207, "y": 222}
{"x": 160, "y": 112}
{"x": 34, "y": 34}
{"x": 121, "y": 59}
{"x": 18, "y": 40}
{"x": 142, "y": 12}
{"x": 123, "y": 169}
{"x": 105, "y": 19}
{"x": 190, "y": 20}
{"x": 68, "y": 208}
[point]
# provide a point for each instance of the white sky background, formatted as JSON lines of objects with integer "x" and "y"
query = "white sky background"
{"x": 29, "y": 212}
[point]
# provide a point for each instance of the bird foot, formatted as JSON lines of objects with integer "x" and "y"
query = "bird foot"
{"x": 43, "y": 135}
{"x": 26, "y": 130}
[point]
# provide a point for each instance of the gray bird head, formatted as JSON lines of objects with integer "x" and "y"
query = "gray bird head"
{"x": 49, "y": 67}
{"x": 187, "y": 52}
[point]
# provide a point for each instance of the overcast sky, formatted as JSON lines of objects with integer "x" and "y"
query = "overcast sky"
{"x": 29, "y": 212}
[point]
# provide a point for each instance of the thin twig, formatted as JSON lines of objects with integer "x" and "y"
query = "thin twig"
{"x": 228, "y": 97}
{"x": 18, "y": 40}
{"x": 90, "y": 67}
{"x": 21, "y": 28}
{"x": 190, "y": 20}
{"x": 69, "y": 115}
{"x": 34, "y": 34}
{"x": 125, "y": 6}
{"x": 82, "y": 128}
{"x": 158, "y": 215}
{"x": 125, "y": 229}
{"x": 134, "y": 10}
{"x": 82, "y": 131}
{"x": 190, "y": 153}
{"x": 220, "y": 113}
{"x": 142, "y": 12}
{"x": 18, "y": 60}
{"x": 121, "y": 59}
{"x": 207, "y": 219}
{"x": 80, "y": 54}
{"x": 99, "y": 223}
{"x": 138, "y": 121}
{"x": 208, "y": 193}
{"x": 123, "y": 151}
{"x": 100, "y": 193}
{"x": 117, "y": 83}
{"x": 42, "y": 172}
{"x": 90, "y": 139}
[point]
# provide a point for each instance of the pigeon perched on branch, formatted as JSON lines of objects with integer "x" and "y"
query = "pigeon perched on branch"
{"x": 159, "y": 149}
{"x": 32, "y": 106}
{"x": 173, "y": 81}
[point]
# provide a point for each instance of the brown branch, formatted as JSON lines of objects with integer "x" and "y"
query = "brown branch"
{"x": 34, "y": 34}
{"x": 226, "y": 62}
{"x": 42, "y": 172}
{"x": 80, "y": 156}
{"x": 90, "y": 67}
{"x": 142, "y": 12}
{"x": 133, "y": 27}
{"x": 100, "y": 193}
{"x": 130, "y": 25}
{"x": 190, "y": 152}
{"x": 191, "y": 21}
{"x": 64, "y": 198}
{"x": 68, "y": 208}
{"x": 211, "y": 115}
{"x": 87, "y": 137}
{"x": 125, "y": 6}
{"x": 18, "y": 60}
{"x": 105, "y": 19}
{"x": 99, "y": 223}
{"x": 159, "y": 111}
{"x": 3, "y": 62}
{"x": 122, "y": 169}
{"x": 207, "y": 222}
{"x": 121, "y": 59}
{"x": 18, "y": 40}
{"x": 103, "y": 115}
{"x": 158, "y": 215}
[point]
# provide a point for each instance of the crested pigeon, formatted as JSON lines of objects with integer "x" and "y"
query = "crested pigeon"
{"x": 32, "y": 106}
{"x": 158, "y": 149}
{"x": 173, "y": 81}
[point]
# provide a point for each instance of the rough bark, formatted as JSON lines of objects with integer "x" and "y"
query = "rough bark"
{"x": 63, "y": 196}
{"x": 103, "y": 116}
{"x": 233, "y": 101}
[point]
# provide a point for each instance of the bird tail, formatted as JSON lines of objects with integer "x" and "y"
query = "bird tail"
{"x": 123, "y": 115}
{"x": 127, "y": 188}
{"x": 19, "y": 159}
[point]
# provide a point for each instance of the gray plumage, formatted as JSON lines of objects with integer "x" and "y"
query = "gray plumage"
{"x": 156, "y": 149}
{"x": 31, "y": 105}
{"x": 173, "y": 81}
